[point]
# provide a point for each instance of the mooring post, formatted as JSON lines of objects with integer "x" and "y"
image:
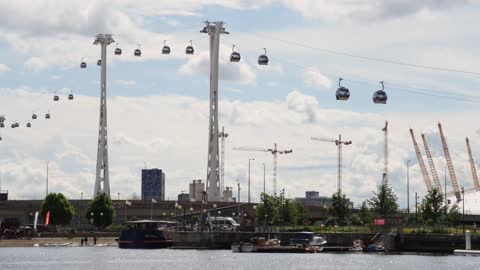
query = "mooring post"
{"x": 468, "y": 240}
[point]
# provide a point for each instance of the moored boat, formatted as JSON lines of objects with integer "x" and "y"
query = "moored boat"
{"x": 146, "y": 234}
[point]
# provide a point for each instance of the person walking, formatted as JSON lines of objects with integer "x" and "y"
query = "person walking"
{"x": 86, "y": 241}
{"x": 94, "y": 240}
{"x": 81, "y": 241}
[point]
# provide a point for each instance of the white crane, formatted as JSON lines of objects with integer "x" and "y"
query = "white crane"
{"x": 275, "y": 153}
{"x": 339, "y": 144}
{"x": 223, "y": 135}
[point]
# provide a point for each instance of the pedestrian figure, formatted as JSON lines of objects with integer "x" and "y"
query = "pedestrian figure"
{"x": 86, "y": 241}
{"x": 474, "y": 228}
{"x": 94, "y": 240}
{"x": 81, "y": 241}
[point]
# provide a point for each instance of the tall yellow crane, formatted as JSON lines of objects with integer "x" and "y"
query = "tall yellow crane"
{"x": 436, "y": 181}
{"x": 451, "y": 170}
{"x": 423, "y": 168}
{"x": 472, "y": 166}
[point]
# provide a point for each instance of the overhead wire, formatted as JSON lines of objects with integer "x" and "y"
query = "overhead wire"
{"x": 369, "y": 58}
{"x": 393, "y": 86}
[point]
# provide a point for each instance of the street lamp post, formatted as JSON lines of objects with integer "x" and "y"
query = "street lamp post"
{"x": 250, "y": 159}
{"x": 408, "y": 187}
{"x": 416, "y": 212}
{"x": 463, "y": 215}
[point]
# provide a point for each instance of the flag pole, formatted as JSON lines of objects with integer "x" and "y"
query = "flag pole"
{"x": 151, "y": 210}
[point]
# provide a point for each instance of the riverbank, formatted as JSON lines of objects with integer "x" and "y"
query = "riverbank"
{"x": 54, "y": 241}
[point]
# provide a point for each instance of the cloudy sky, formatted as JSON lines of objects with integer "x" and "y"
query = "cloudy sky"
{"x": 425, "y": 50}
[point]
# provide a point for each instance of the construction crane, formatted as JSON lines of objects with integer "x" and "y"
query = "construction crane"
{"x": 472, "y": 166}
{"x": 339, "y": 144}
{"x": 423, "y": 168}
{"x": 222, "y": 135}
{"x": 433, "y": 170}
{"x": 275, "y": 153}
{"x": 451, "y": 171}
{"x": 385, "y": 172}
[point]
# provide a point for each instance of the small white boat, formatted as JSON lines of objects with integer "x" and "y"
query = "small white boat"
{"x": 317, "y": 241}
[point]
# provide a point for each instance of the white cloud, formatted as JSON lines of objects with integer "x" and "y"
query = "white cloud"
{"x": 365, "y": 10}
{"x": 136, "y": 135}
{"x": 55, "y": 77}
{"x": 35, "y": 64}
{"x": 4, "y": 68}
{"x": 199, "y": 64}
{"x": 126, "y": 82}
{"x": 313, "y": 77}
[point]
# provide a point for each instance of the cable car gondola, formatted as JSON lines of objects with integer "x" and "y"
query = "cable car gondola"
{"x": 189, "y": 50}
{"x": 34, "y": 116}
{"x": 56, "y": 97}
{"x": 13, "y": 125}
{"x": 118, "y": 51}
{"x": 342, "y": 92}
{"x": 17, "y": 124}
{"x": 29, "y": 125}
{"x": 380, "y": 96}
{"x": 47, "y": 116}
{"x": 263, "y": 59}
{"x": 70, "y": 96}
{"x": 83, "y": 64}
{"x": 137, "y": 52}
{"x": 99, "y": 62}
{"x": 165, "y": 49}
{"x": 235, "y": 56}
{"x": 2, "y": 125}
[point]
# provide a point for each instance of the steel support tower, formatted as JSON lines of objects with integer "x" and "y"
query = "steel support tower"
{"x": 433, "y": 170}
{"x": 423, "y": 168}
{"x": 223, "y": 135}
{"x": 102, "y": 182}
{"x": 213, "y": 29}
{"x": 451, "y": 170}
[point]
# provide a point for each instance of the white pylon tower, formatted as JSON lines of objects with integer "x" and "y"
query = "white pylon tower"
{"x": 102, "y": 183}
{"x": 213, "y": 29}
{"x": 385, "y": 172}
{"x": 451, "y": 170}
{"x": 223, "y": 135}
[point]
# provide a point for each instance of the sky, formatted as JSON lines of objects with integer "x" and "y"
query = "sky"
{"x": 424, "y": 50}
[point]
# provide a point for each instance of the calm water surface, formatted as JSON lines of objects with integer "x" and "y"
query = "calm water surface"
{"x": 111, "y": 258}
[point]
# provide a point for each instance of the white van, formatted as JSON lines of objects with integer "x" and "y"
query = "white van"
{"x": 222, "y": 224}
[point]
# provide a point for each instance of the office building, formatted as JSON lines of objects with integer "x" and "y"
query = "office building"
{"x": 196, "y": 189}
{"x": 153, "y": 184}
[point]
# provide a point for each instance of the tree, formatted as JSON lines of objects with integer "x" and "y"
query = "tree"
{"x": 384, "y": 203}
{"x": 340, "y": 208}
{"x": 365, "y": 215}
{"x": 280, "y": 211}
{"x": 432, "y": 207}
{"x": 61, "y": 211}
{"x": 454, "y": 216}
{"x": 100, "y": 211}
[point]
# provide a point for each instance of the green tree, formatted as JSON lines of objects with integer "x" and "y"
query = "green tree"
{"x": 384, "y": 203}
{"x": 340, "y": 208}
{"x": 454, "y": 216}
{"x": 280, "y": 211}
{"x": 61, "y": 211}
{"x": 303, "y": 215}
{"x": 365, "y": 214}
{"x": 100, "y": 211}
{"x": 432, "y": 208}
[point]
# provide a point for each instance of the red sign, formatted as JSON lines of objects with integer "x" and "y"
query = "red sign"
{"x": 379, "y": 221}
{"x": 47, "y": 218}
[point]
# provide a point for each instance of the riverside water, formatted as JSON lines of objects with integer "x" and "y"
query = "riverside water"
{"x": 112, "y": 258}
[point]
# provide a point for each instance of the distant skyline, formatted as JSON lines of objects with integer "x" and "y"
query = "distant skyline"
{"x": 158, "y": 105}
